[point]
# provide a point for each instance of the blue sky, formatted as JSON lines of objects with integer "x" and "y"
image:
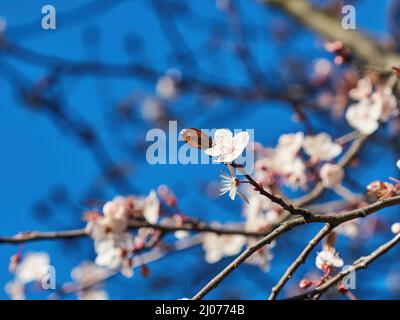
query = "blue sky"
{"x": 38, "y": 157}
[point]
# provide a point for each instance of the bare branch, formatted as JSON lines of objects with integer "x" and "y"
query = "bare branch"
{"x": 300, "y": 259}
{"x": 333, "y": 219}
{"x": 68, "y": 234}
{"x": 361, "y": 263}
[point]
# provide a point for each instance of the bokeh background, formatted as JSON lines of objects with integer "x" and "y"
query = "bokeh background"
{"x": 59, "y": 159}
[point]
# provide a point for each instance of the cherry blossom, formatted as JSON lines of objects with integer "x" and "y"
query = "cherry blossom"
{"x": 166, "y": 86}
{"x": 152, "y": 109}
{"x": 387, "y": 102}
{"x": 229, "y": 183}
{"x": 283, "y": 161}
{"x": 321, "y": 147}
{"x": 16, "y": 290}
{"x": 290, "y": 144}
{"x": 113, "y": 243}
{"x": 226, "y": 146}
{"x": 260, "y": 213}
{"x": 349, "y": 229}
{"x": 328, "y": 258}
{"x": 331, "y": 175}
{"x": 151, "y": 207}
{"x": 395, "y": 228}
{"x": 364, "y": 116}
{"x": 32, "y": 267}
{"x": 218, "y": 246}
{"x": 88, "y": 277}
{"x": 363, "y": 90}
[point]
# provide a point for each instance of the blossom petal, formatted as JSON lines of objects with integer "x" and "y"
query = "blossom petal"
{"x": 214, "y": 151}
{"x": 223, "y": 137}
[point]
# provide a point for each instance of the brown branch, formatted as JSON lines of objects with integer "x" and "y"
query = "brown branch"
{"x": 330, "y": 28}
{"x": 361, "y": 263}
{"x": 300, "y": 260}
{"x": 68, "y": 234}
{"x": 333, "y": 219}
{"x": 294, "y": 210}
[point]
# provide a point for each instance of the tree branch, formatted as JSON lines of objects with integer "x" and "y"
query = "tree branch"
{"x": 329, "y": 27}
{"x": 300, "y": 260}
{"x": 333, "y": 219}
{"x": 361, "y": 263}
{"x": 77, "y": 233}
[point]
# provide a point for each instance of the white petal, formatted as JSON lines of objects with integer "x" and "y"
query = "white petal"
{"x": 214, "y": 151}
{"x": 240, "y": 141}
{"x": 223, "y": 137}
{"x": 232, "y": 193}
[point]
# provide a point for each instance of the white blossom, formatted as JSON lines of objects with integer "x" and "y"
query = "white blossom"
{"x": 290, "y": 144}
{"x": 331, "y": 175}
{"x": 32, "y": 267}
{"x": 16, "y": 290}
{"x": 349, "y": 229}
{"x": 363, "y": 90}
{"x": 283, "y": 160}
{"x": 321, "y": 147}
{"x": 364, "y": 116}
{"x": 151, "y": 207}
{"x": 88, "y": 278}
{"x": 228, "y": 184}
{"x": 218, "y": 246}
{"x": 166, "y": 87}
{"x": 395, "y": 228}
{"x": 227, "y": 147}
{"x": 328, "y": 258}
{"x": 387, "y": 103}
{"x": 97, "y": 294}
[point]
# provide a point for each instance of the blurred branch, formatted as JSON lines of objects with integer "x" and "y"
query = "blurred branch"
{"x": 329, "y": 27}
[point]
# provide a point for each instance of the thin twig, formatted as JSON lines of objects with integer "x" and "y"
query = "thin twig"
{"x": 68, "y": 234}
{"x": 361, "y": 263}
{"x": 300, "y": 260}
{"x": 333, "y": 219}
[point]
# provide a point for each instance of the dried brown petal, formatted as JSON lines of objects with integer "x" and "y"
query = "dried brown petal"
{"x": 196, "y": 138}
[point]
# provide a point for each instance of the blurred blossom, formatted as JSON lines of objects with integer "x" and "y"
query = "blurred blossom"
{"x": 167, "y": 85}
{"x": 349, "y": 229}
{"x": 395, "y": 228}
{"x": 321, "y": 147}
{"x": 113, "y": 243}
{"x": 364, "y": 116}
{"x": 331, "y": 175}
{"x": 32, "y": 267}
{"x": 219, "y": 246}
{"x": 322, "y": 71}
{"x": 16, "y": 290}
{"x": 88, "y": 278}
{"x": 152, "y": 109}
